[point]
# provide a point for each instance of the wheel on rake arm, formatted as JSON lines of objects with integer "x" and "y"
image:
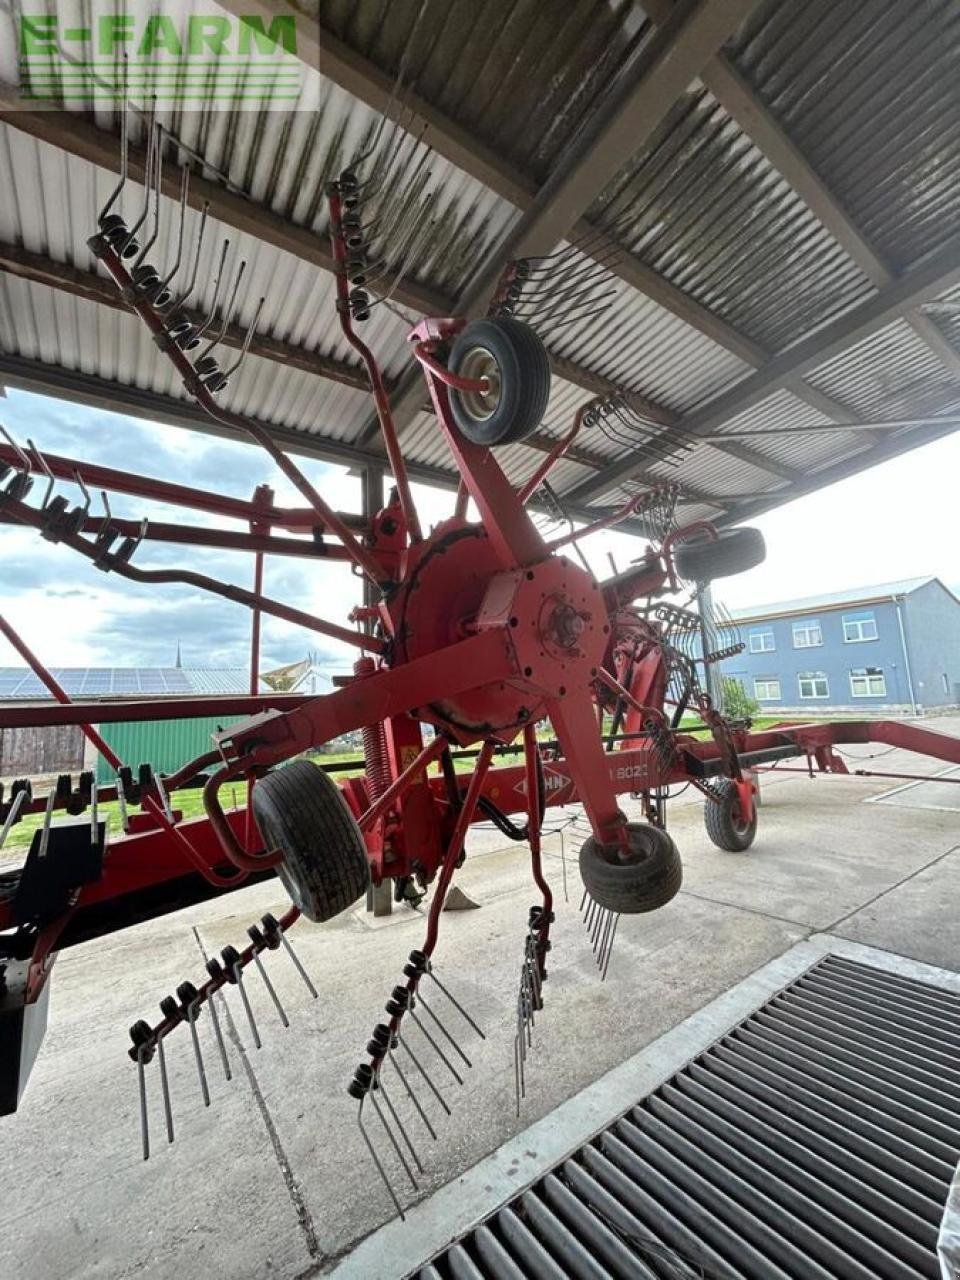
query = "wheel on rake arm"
{"x": 732, "y": 551}
{"x": 300, "y": 811}
{"x": 724, "y": 820}
{"x": 513, "y": 360}
{"x": 643, "y": 881}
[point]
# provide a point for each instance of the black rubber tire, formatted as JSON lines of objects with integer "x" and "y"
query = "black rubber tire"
{"x": 648, "y": 881}
{"x": 524, "y": 371}
{"x": 300, "y": 811}
{"x": 734, "y": 551}
{"x": 722, "y": 820}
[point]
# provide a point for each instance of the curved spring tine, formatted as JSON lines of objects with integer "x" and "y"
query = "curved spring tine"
{"x": 395, "y": 141}
{"x": 182, "y": 298}
{"x": 147, "y": 177}
{"x": 412, "y": 256}
{"x": 157, "y": 178}
{"x": 184, "y": 190}
{"x": 412, "y": 1096}
{"x": 227, "y": 312}
{"x": 192, "y": 1011}
{"x": 391, "y": 242}
{"x": 398, "y": 206}
{"x": 216, "y": 290}
{"x": 384, "y": 177}
{"x": 165, "y": 1088}
{"x": 42, "y": 463}
{"x": 78, "y": 480}
{"x": 567, "y": 304}
{"x": 214, "y": 1018}
{"x": 142, "y": 1087}
{"x": 16, "y": 804}
{"x": 385, "y": 258}
{"x": 397, "y": 1121}
{"x": 248, "y": 336}
{"x": 27, "y": 464}
{"x": 115, "y": 194}
{"x": 553, "y": 324}
{"x": 376, "y": 1159}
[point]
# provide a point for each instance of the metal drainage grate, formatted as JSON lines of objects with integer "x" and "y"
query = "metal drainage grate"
{"x": 816, "y": 1140}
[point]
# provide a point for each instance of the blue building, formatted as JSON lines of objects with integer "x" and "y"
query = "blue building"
{"x": 891, "y": 648}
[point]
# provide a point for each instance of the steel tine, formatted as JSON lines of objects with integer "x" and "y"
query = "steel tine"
{"x": 184, "y": 189}
{"x": 376, "y": 1160}
{"x": 454, "y": 1001}
{"x": 115, "y": 194}
{"x": 598, "y": 928}
{"x": 182, "y": 298}
{"x": 165, "y": 1087}
{"x": 269, "y": 985}
{"x": 582, "y": 901}
{"x": 391, "y": 1057}
{"x": 142, "y": 1081}
{"x": 24, "y": 458}
{"x": 613, "y": 934}
{"x": 247, "y": 338}
{"x": 227, "y": 312}
{"x": 601, "y": 954}
{"x": 214, "y": 1018}
{"x": 154, "y": 175}
{"x": 378, "y": 1084}
{"x": 87, "y": 499}
{"x": 425, "y": 237}
{"x": 216, "y": 291}
{"x": 416, "y": 1062}
{"x": 436, "y": 1048}
{"x": 519, "y": 1082}
{"x": 426, "y": 1008}
{"x": 296, "y": 960}
{"x": 231, "y": 962}
{"x": 147, "y": 173}
{"x": 42, "y": 463}
{"x": 563, "y": 867}
{"x": 238, "y": 978}
{"x": 193, "y": 1008}
{"x": 390, "y": 1135}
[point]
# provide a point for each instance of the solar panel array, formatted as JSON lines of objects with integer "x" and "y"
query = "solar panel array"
{"x": 95, "y": 682}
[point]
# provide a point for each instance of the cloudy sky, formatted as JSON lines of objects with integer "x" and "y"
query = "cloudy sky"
{"x": 897, "y": 520}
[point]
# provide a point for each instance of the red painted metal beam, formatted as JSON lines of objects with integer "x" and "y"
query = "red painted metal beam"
{"x": 39, "y": 715}
{"x": 178, "y": 495}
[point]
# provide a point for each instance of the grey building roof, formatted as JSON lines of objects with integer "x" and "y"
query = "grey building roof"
{"x": 93, "y": 683}
{"x": 833, "y": 599}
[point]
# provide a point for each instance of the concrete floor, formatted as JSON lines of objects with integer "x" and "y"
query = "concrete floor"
{"x": 272, "y": 1179}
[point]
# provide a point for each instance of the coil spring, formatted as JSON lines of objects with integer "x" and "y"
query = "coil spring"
{"x": 376, "y": 764}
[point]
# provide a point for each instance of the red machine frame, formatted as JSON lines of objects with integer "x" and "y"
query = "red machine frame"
{"x": 482, "y": 631}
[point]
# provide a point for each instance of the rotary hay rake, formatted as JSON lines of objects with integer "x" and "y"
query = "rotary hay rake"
{"x": 481, "y": 633}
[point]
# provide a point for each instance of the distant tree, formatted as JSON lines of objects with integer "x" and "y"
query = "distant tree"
{"x": 737, "y": 703}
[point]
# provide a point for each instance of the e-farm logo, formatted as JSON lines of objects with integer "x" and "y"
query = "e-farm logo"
{"x": 161, "y": 55}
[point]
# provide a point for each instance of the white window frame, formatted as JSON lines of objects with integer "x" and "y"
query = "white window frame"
{"x": 805, "y": 628}
{"x": 859, "y": 623}
{"x": 759, "y": 681}
{"x": 814, "y": 676}
{"x": 867, "y": 675}
{"x": 761, "y": 636}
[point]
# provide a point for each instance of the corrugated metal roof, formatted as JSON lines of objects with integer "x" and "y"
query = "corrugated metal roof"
{"x": 521, "y": 78}
{"x": 868, "y": 94}
{"x": 832, "y": 599}
{"x": 702, "y": 206}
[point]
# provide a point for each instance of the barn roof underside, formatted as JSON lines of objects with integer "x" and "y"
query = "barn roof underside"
{"x": 772, "y": 188}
